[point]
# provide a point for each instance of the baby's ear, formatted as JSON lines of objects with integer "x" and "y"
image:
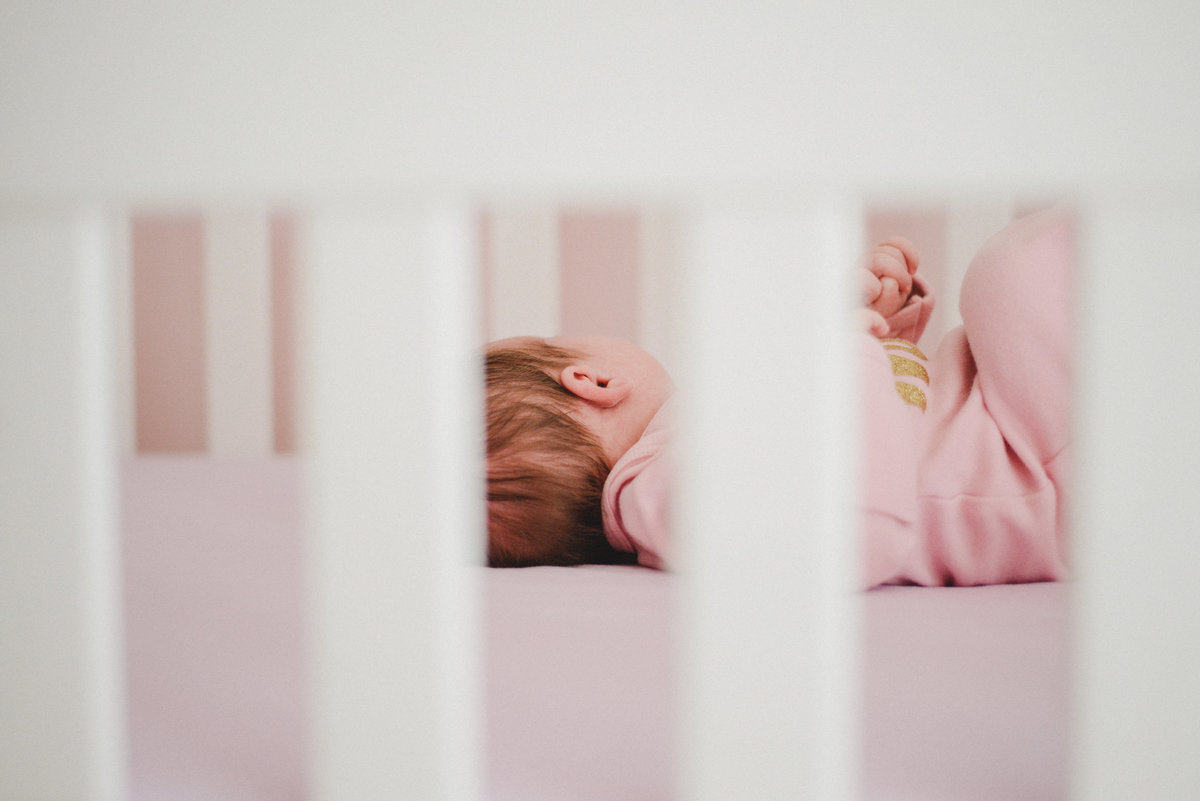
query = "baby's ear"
{"x": 584, "y": 381}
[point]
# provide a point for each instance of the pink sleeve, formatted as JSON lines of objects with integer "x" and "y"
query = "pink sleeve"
{"x": 892, "y": 413}
{"x": 909, "y": 323}
{"x": 640, "y": 511}
{"x": 636, "y": 502}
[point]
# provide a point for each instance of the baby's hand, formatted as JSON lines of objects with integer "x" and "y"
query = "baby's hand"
{"x": 871, "y": 322}
{"x": 886, "y": 275}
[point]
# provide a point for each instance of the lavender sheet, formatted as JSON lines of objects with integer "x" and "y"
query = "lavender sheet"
{"x": 964, "y": 696}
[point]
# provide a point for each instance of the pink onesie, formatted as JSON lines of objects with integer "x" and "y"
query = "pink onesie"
{"x": 966, "y": 461}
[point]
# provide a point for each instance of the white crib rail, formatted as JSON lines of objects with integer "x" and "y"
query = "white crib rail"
{"x": 768, "y": 614}
{"x": 61, "y": 699}
{"x": 1137, "y": 732}
{"x": 391, "y": 400}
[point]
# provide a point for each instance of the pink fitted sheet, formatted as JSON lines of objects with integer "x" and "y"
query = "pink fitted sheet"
{"x": 964, "y": 689}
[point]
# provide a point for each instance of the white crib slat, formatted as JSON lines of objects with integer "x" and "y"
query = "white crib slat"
{"x": 969, "y": 223}
{"x": 769, "y": 616}
{"x": 121, "y": 297}
{"x": 61, "y": 703}
{"x": 237, "y": 306}
{"x": 657, "y": 290}
{"x": 525, "y": 286}
{"x": 1137, "y": 635}
{"x": 390, "y": 419}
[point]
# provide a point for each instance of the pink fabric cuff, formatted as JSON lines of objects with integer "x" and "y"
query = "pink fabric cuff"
{"x": 909, "y": 323}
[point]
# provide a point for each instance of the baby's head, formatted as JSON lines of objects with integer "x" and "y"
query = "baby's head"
{"x": 560, "y": 413}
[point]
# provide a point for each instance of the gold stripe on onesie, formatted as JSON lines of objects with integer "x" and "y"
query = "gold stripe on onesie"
{"x": 910, "y": 394}
{"x": 903, "y": 344}
{"x": 903, "y": 366}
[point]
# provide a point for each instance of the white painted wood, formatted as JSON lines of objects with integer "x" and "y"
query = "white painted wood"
{"x": 658, "y": 282}
{"x": 391, "y": 443}
{"x": 1137, "y": 616}
{"x": 237, "y": 311}
{"x": 121, "y": 296}
{"x": 62, "y": 730}
{"x": 358, "y": 95}
{"x": 525, "y": 284}
{"x": 768, "y": 567}
{"x": 969, "y": 223}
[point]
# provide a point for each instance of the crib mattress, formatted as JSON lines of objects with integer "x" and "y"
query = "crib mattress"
{"x": 965, "y": 690}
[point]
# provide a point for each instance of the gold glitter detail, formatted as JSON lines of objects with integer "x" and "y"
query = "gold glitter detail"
{"x": 903, "y": 344}
{"x": 911, "y": 395}
{"x": 903, "y": 366}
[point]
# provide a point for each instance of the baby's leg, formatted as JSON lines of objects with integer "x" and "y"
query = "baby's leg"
{"x": 1017, "y": 309}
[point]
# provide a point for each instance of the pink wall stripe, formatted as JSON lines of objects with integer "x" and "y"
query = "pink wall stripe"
{"x": 599, "y": 259}
{"x": 283, "y": 329}
{"x": 168, "y": 310}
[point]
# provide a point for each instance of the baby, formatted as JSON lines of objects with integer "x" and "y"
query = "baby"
{"x": 965, "y": 476}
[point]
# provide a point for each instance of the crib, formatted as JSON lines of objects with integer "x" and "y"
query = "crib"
{"x": 746, "y": 144}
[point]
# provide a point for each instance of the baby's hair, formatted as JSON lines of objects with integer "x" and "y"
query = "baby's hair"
{"x": 545, "y": 469}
